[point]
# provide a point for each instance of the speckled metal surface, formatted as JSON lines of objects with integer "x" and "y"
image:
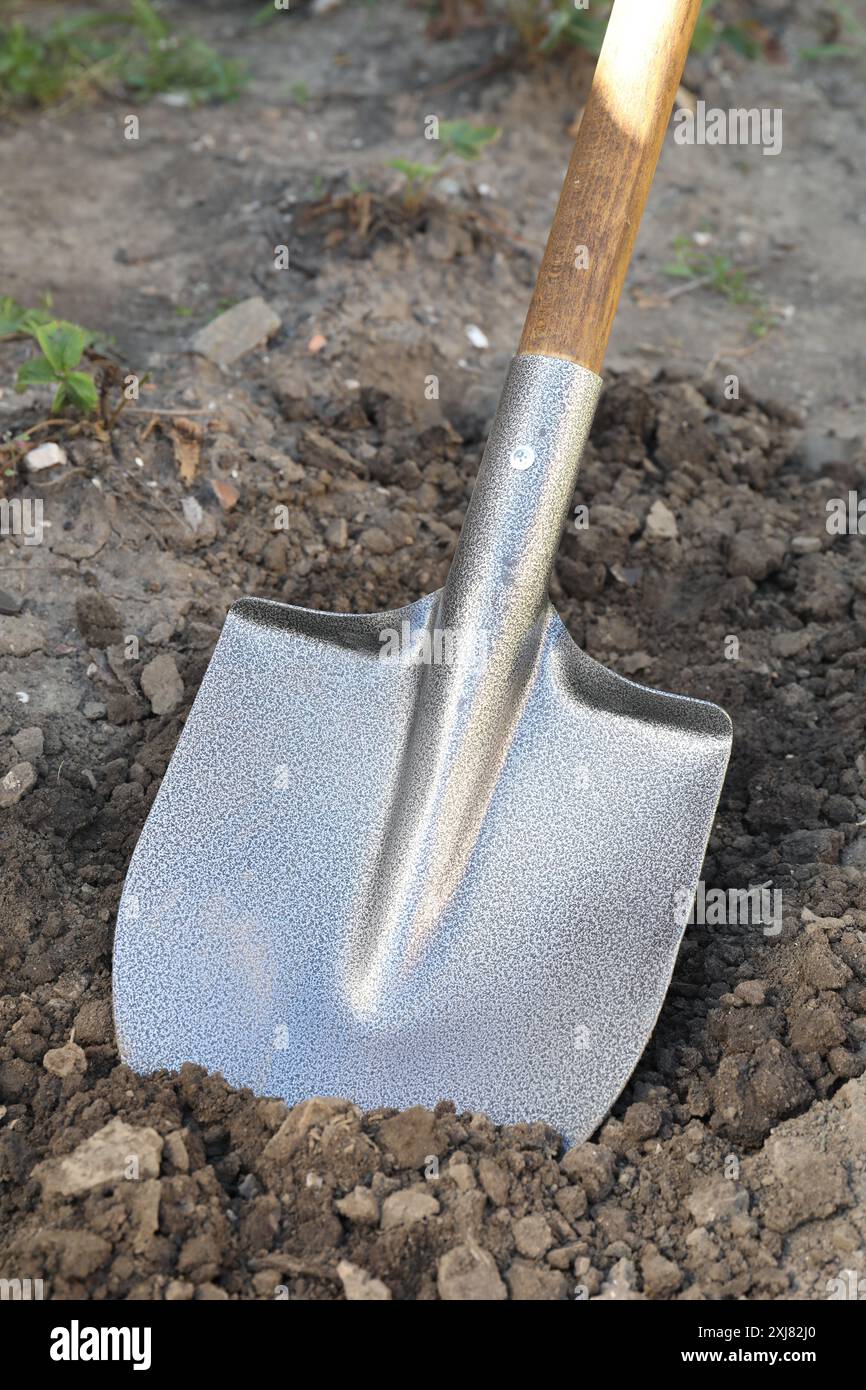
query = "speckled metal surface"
{"x": 434, "y": 853}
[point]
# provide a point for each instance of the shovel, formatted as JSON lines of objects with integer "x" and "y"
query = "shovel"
{"x": 439, "y": 852}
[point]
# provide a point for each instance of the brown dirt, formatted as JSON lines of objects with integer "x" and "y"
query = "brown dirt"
{"x": 733, "y": 1165}
{"x": 245, "y": 1199}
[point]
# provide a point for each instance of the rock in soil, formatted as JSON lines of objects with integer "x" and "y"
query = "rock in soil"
{"x": 237, "y": 331}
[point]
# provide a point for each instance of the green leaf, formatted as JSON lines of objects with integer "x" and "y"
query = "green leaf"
{"x": 16, "y": 319}
{"x": 37, "y": 372}
{"x": 11, "y": 317}
{"x": 62, "y": 343}
{"x": 81, "y": 389}
{"x": 415, "y": 173}
{"x": 465, "y": 139}
{"x": 737, "y": 37}
{"x": 60, "y": 398}
{"x": 264, "y": 15}
{"x": 828, "y": 50}
{"x": 148, "y": 21}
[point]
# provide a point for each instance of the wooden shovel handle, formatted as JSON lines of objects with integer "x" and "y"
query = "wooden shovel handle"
{"x": 608, "y": 180}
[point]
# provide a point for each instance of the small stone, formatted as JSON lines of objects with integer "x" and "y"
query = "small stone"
{"x": 840, "y": 810}
{"x": 592, "y": 1165}
{"x": 469, "y": 1274}
{"x": 406, "y": 1207}
{"x": 805, "y": 545}
{"x": 45, "y": 456}
{"x": 812, "y": 846}
{"x": 161, "y": 683}
{"x": 29, "y": 743}
{"x": 717, "y": 1201}
{"x": 199, "y": 1257}
{"x": 160, "y": 633}
{"x": 98, "y": 620}
{"x": 19, "y": 780}
{"x": 791, "y": 644}
{"x": 266, "y": 1281}
{"x": 532, "y": 1236}
{"x": 620, "y": 1283}
{"x": 817, "y": 1030}
{"x": 529, "y": 1283}
{"x": 641, "y": 1121}
{"x": 110, "y": 1156}
{"x": 93, "y": 1022}
{"x": 811, "y": 1184}
{"x": 661, "y": 1277}
{"x": 477, "y": 337}
{"x": 94, "y": 709}
{"x": 143, "y": 1202}
{"x": 633, "y": 662}
{"x": 359, "y": 1286}
{"x": 337, "y": 534}
{"x": 571, "y": 1201}
{"x": 21, "y": 636}
{"x": 193, "y": 512}
{"x": 754, "y": 555}
{"x": 237, "y": 331}
{"x": 65, "y": 1061}
{"x": 460, "y": 1172}
{"x": 80, "y": 1253}
{"x": 9, "y": 604}
{"x": 359, "y": 1206}
{"x": 176, "y": 1151}
{"x": 563, "y": 1256}
{"x": 294, "y": 392}
{"x": 411, "y": 1137}
{"x": 752, "y": 992}
{"x": 377, "y": 541}
{"x": 179, "y": 1291}
{"x": 822, "y": 968}
{"x": 494, "y": 1180}
{"x": 661, "y": 524}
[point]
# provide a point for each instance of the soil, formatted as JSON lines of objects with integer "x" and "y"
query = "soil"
{"x": 734, "y": 1165}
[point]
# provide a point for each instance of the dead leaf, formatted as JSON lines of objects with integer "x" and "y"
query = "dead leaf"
{"x": 226, "y": 493}
{"x": 186, "y": 436}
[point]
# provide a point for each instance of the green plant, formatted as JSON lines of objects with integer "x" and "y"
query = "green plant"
{"x": 465, "y": 139}
{"x": 710, "y": 32}
{"x": 718, "y": 272}
{"x": 134, "y": 49}
{"x": 16, "y": 320}
{"x": 459, "y": 138}
{"x": 574, "y": 26}
{"x": 62, "y": 347}
{"x": 845, "y": 37}
{"x": 168, "y": 62}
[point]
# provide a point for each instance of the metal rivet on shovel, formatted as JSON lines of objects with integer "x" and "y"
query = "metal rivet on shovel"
{"x": 458, "y": 874}
{"x": 522, "y": 457}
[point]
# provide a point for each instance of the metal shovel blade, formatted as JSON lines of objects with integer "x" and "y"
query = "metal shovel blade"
{"x": 437, "y": 853}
